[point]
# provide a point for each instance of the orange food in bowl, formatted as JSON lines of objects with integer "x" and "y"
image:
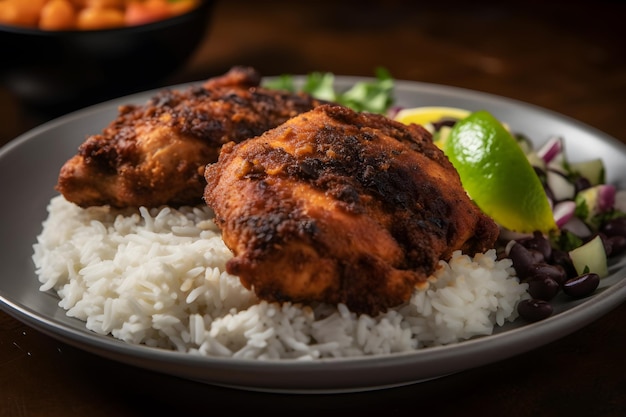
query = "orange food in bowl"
{"x": 57, "y": 15}
{"x": 139, "y": 13}
{"x": 89, "y": 14}
{"x": 21, "y": 13}
{"x": 91, "y": 18}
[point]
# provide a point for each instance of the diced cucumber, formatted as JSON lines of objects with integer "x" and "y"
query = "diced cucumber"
{"x": 594, "y": 200}
{"x": 525, "y": 144}
{"x": 535, "y": 160}
{"x": 590, "y": 257}
{"x": 592, "y": 169}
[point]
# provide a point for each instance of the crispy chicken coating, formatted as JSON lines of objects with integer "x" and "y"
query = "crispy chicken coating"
{"x": 155, "y": 154}
{"x": 336, "y": 206}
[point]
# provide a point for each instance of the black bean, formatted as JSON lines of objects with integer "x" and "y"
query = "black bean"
{"x": 618, "y": 244}
{"x": 543, "y": 287}
{"x": 556, "y": 272}
{"x": 562, "y": 258}
{"x": 522, "y": 260}
{"x": 615, "y": 227}
{"x": 443, "y": 122}
{"x": 539, "y": 171}
{"x": 582, "y": 285}
{"x": 538, "y": 243}
{"x": 534, "y": 310}
{"x": 581, "y": 183}
{"x": 549, "y": 193}
{"x": 537, "y": 256}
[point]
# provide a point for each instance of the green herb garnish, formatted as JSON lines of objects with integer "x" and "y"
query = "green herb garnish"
{"x": 374, "y": 96}
{"x": 565, "y": 241}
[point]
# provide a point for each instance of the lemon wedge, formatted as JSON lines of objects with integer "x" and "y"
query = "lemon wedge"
{"x": 426, "y": 116}
{"x": 497, "y": 175}
{"x": 430, "y": 114}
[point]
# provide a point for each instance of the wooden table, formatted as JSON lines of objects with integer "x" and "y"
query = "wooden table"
{"x": 569, "y": 57}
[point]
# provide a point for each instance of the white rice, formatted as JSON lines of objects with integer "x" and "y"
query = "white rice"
{"x": 157, "y": 277}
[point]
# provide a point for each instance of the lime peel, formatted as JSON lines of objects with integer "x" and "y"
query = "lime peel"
{"x": 497, "y": 175}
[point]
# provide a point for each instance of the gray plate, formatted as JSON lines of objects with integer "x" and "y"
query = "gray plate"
{"x": 29, "y": 167}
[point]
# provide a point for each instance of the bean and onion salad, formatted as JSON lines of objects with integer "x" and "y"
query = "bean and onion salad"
{"x": 545, "y": 263}
{"x": 548, "y": 270}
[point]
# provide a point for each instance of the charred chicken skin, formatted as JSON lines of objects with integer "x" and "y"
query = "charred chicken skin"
{"x": 155, "y": 154}
{"x": 336, "y": 206}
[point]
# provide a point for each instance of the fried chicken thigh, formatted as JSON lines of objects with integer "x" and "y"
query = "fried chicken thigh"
{"x": 336, "y": 206}
{"x": 155, "y": 154}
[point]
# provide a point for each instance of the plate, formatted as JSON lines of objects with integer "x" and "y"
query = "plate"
{"x": 29, "y": 166}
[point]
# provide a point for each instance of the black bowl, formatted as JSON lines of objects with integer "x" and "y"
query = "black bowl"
{"x": 59, "y": 71}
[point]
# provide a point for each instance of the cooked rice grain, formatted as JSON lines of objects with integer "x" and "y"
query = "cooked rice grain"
{"x": 157, "y": 277}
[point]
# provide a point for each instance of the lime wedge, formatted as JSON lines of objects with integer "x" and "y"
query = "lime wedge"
{"x": 497, "y": 175}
